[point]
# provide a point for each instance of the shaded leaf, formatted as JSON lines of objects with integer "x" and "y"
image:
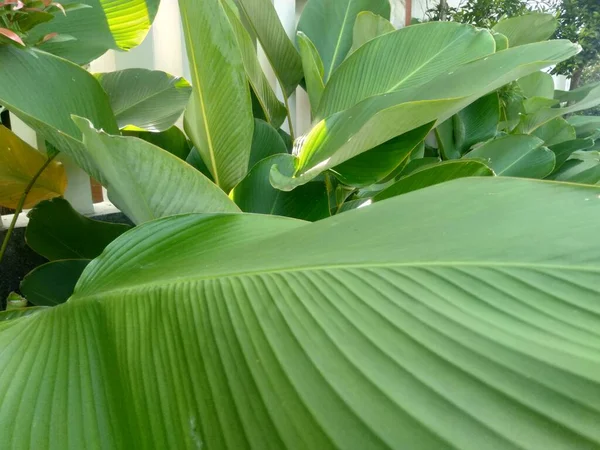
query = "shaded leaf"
{"x": 563, "y": 150}
{"x": 265, "y": 142}
{"x": 57, "y": 231}
{"x": 516, "y": 156}
{"x": 581, "y": 167}
{"x": 538, "y": 84}
{"x": 19, "y": 163}
{"x": 255, "y": 193}
{"x": 585, "y": 126}
{"x": 329, "y": 24}
{"x": 52, "y": 283}
{"x": 219, "y": 118}
{"x": 555, "y": 132}
{"x": 141, "y": 178}
{"x": 313, "y": 70}
{"x": 527, "y": 29}
{"x": 430, "y": 175}
{"x": 172, "y": 140}
{"x": 380, "y": 162}
{"x": 280, "y": 50}
{"x": 145, "y": 99}
{"x": 12, "y": 314}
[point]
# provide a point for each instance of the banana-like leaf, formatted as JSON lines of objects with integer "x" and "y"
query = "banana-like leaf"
{"x": 501, "y": 41}
{"x": 145, "y": 99}
{"x": 34, "y": 101}
{"x": 329, "y": 24}
{"x": 381, "y": 118}
{"x": 389, "y": 63}
{"x": 19, "y": 163}
{"x": 431, "y": 175}
{"x": 313, "y": 70}
{"x": 478, "y": 331}
{"x": 265, "y": 142}
{"x": 381, "y": 162}
{"x": 538, "y": 84}
{"x": 555, "y": 132}
{"x": 172, "y": 140}
{"x": 585, "y": 126}
{"x": 107, "y": 24}
{"x": 564, "y": 150}
{"x": 272, "y": 109}
{"x": 478, "y": 122}
{"x": 57, "y": 231}
{"x": 52, "y": 283}
{"x": 581, "y": 167}
{"x": 149, "y": 182}
{"x": 278, "y": 48}
{"x": 219, "y": 118}
{"x": 369, "y": 26}
{"x": 576, "y": 95}
{"x": 527, "y": 29}
{"x": 256, "y": 195}
{"x": 516, "y": 156}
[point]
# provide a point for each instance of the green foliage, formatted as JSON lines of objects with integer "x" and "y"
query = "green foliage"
{"x": 226, "y": 319}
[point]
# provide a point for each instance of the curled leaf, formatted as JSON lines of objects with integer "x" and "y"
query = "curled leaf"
{"x": 12, "y": 36}
{"x": 48, "y": 37}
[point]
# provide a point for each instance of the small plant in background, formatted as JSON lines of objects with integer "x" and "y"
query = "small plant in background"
{"x": 206, "y": 326}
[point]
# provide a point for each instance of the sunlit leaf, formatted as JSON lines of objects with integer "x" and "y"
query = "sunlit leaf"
{"x": 369, "y": 26}
{"x": 527, "y": 29}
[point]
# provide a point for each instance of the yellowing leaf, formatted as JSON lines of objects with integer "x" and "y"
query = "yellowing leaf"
{"x": 19, "y": 162}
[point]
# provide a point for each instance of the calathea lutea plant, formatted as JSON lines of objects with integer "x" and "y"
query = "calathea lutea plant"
{"x": 462, "y": 315}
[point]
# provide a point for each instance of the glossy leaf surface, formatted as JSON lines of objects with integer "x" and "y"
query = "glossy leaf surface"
{"x": 145, "y": 99}
{"x": 57, "y": 231}
{"x": 380, "y": 344}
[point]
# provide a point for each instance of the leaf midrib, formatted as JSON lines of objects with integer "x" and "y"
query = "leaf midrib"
{"x": 448, "y": 264}
{"x": 339, "y": 40}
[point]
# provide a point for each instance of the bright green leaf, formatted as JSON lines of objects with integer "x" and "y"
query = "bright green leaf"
{"x": 145, "y": 99}
{"x": 527, "y": 29}
{"x": 374, "y": 329}
{"x": 390, "y": 63}
{"x": 52, "y": 283}
{"x": 329, "y": 24}
{"x": 431, "y": 175}
{"x": 555, "y": 132}
{"x": 57, "y": 231}
{"x": 516, "y": 156}
{"x": 538, "y": 84}
{"x": 585, "y": 126}
{"x": 148, "y": 182}
{"x": 219, "y": 118}
{"x": 369, "y": 26}
{"x": 501, "y": 41}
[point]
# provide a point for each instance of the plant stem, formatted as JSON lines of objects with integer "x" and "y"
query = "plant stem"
{"x": 20, "y": 206}
{"x": 289, "y": 117}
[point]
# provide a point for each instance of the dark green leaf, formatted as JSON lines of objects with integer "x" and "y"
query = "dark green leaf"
{"x": 563, "y": 150}
{"x": 52, "y": 283}
{"x": 582, "y": 167}
{"x": 57, "y": 231}
{"x": 265, "y": 142}
{"x": 172, "y": 140}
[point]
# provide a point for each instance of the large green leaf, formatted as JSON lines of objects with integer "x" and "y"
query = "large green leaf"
{"x": 145, "y": 99}
{"x": 52, "y": 283}
{"x": 35, "y": 101}
{"x": 431, "y": 175}
{"x": 516, "y": 156}
{"x": 478, "y": 122}
{"x": 272, "y": 109}
{"x": 148, "y": 182}
{"x": 279, "y": 49}
{"x": 379, "y": 163}
{"x": 528, "y": 28}
{"x": 255, "y": 193}
{"x": 108, "y": 24}
{"x": 57, "y": 231}
{"x": 369, "y": 26}
{"x": 329, "y": 24}
{"x": 538, "y": 84}
{"x": 313, "y": 71}
{"x": 585, "y": 126}
{"x": 219, "y": 118}
{"x": 390, "y": 63}
{"x": 357, "y": 332}
{"x": 581, "y": 167}
{"x": 381, "y": 118}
